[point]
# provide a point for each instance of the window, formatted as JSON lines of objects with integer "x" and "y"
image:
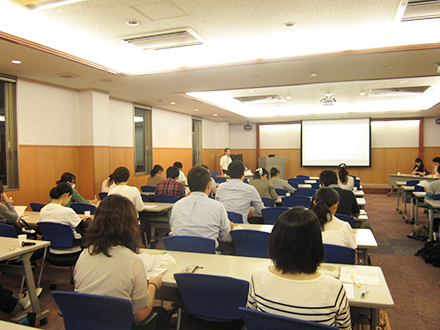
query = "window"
{"x": 143, "y": 149}
{"x": 8, "y": 134}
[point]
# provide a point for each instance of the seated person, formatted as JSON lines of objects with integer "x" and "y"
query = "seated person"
{"x": 76, "y": 197}
{"x": 198, "y": 215}
{"x": 16, "y": 305}
{"x": 435, "y": 165}
{"x": 263, "y": 185}
{"x": 110, "y": 264}
{"x": 181, "y": 178}
{"x": 280, "y": 183}
{"x": 433, "y": 187}
{"x": 170, "y": 186}
{"x": 7, "y": 210}
{"x": 419, "y": 168}
{"x": 106, "y": 185}
{"x": 345, "y": 181}
{"x": 213, "y": 183}
{"x": 237, "y": 196}
{"x": 155, "y": 176}
{"x": 334, "y": 231}
{"x": 293, "y": 286}
{"x": 56, "y": 212}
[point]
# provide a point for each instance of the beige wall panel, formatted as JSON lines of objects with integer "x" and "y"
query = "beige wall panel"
{"x": 47, "y": 172}
{"x": 85, "y": 177}
{"x": 101, "y": 165}
{"x": 28, "y": 178}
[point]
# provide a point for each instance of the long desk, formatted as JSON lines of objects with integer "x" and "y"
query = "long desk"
{"x": 393, "y": 178}
{"x": 432, "y": 205}
{"x": 417, "y": 196}
{"x": 9, "y": 249}
{"x": 378, "y": 297}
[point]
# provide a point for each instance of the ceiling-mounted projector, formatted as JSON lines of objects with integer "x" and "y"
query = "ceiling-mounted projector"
{"x": 247, "y": 127}
{"x": 328, "y": 100}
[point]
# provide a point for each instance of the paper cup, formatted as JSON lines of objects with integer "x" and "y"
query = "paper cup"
{"x": 21, "y": 239}
{"x": 87, "y": 213}
{"x": 287, "y": 194}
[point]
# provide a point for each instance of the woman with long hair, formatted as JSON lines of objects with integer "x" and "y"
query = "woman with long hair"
{"x": 345, "y": 181}
{"x": 419, "y": 168}
{"x": 263, "y": 185}
{"x": 155, "y": 176}
{"x": 76, "y": 197}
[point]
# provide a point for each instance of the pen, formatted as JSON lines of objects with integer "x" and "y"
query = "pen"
{"x": 355, "y": 281}
{"x": 364, "y": 292}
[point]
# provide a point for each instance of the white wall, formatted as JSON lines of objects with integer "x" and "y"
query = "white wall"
{"x": 171, "y": 130}
{"x": 239, "y": 138}
{"x": 47, "y": 115}
{"x": 121, "y": 123}
{"x": 222, "y": 135}
{"x": 280, "y": 136}
{"x": 209, "y": 138}
{"x": 431, "y": 133}
{"x": 399, "y": 133}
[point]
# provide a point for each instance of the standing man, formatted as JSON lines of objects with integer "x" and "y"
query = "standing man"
{"x": 225, "y": 160}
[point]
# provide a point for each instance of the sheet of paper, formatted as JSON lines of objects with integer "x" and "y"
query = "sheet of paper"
{"x": 423, "y": 183}
{"x": 146, "y": 206}
{"x": 165, "y": 258}
{"x": 364, "y": 275}
{"x": 155, "y": 272}
{"x": 238, "y": 226}
{"x": 349, "y": 288}
{"x": 20, "y": 210}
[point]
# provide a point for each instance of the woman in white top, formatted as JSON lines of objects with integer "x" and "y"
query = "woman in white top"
{"x": 334, "y": 231}
{"x": 292, "y": 286}
{"x": 345, "y": 181}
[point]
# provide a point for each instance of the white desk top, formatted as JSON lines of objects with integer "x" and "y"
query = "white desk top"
{"x": 9, "y": 248}
{"x": 419, "y": 194}
{"x": 157, "y": 207}
{"x": 12, "y": 326}
{"x": 361, "y": 201}
{"x": 304, "y": 185}
{"x": 243, "y": 267}
{"x": 433, "y": 203}
{"x": 408, "y": 188}
{"x": 359, "y": 193}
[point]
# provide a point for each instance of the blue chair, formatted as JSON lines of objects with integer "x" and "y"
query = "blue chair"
{"x": 235, "y": 217}
{"x": 345, "y": 217}
{"x": 337, "y": 254}
{"x": 281, "y": 192}
{"x": 255, "y": 320}
{"x": 165, "y": 198}
{"x": 145, "y": 198}
{"x": 437, "y": 197}
{"x": 305, "y": 192}
{"x": 268, "y": 202}
{"x": 271, "y": 214}
{"x": 295, "y": 182}
{"x": 102, "y": 195}
{"x": 214, "y": 174}
{"x": 291, "y": 201}
{"x": 60, "y": 237}
{"x": 219, "y": 180}
{"x": 357, "y": 183}
{"x": 251, "y": 243}
{"x": 303, "y": 177}
{"x": 212, "y": 298}
{"x": 36, "y": 207}
{"x": 148, "y": 188}
{"x": 80, "y": 208}
{"x": 245, "y": 180}
{"x": 93, "y": 312}
{"x": 412, "y": 182}
{"x": 189, "y": 244}
{"x": 315, "y": 185}
{"x": 7, "y": 231}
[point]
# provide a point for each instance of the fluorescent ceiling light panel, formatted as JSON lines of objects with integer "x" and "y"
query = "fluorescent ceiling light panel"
{"x": 43, "y": 4}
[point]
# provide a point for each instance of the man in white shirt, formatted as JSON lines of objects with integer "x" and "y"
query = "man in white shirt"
{"x": 199, "y": 215}
{"x": 181, "y": 178}
{"x": 225, "y": 160}
{"x": 238, "y": 196}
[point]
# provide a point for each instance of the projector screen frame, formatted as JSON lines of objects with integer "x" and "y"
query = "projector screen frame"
{"x": 333, "y": 165}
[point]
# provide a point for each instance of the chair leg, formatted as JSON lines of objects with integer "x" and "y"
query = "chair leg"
{"x": 22, "y": 284}
{"x": 179, "y": 318}
{"x": 48, "y": 274}
{"x": 42, "y": 266}
{"x": 71, "y": 275}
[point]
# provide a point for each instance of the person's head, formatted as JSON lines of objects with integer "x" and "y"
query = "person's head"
{"x": 198, "y": 179}
{"x": 121, "y": 174}
{"x": 261, "y": 173}
{"x": 419, "y": 161}
{"x": 63, "y": 192}
{"x": 274, "y": 172}
{"x": 172, "y": 172}
{"x": 328, "y": 177}
{"x": 343, "y": 173}
{"x": 227, "y": 151}
{"x": 436, "y": 161}
{"x": 157, "y": 169}
{"x": 178, "y": 165}
{"x": 69, "y": 178}
{"x": 325, "y": 204}
{"x": 115, "y": 223}
{"x": 236, "y": 169}
{"x": 295, "y": 244}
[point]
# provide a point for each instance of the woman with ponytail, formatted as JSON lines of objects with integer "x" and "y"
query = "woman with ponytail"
{"x": 155, "y": 176}
{"x": 264, "y": 187}
{"x": 334, "y": 231}
{"x": 345, "y": 181}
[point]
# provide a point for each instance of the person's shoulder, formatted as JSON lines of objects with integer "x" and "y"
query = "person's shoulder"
{"x": 330, "y": 281}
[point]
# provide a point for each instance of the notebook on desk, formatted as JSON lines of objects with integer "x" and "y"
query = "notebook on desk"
{"x": 20, "y": 210}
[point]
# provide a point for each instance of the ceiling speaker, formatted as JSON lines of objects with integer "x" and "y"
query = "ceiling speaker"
{"x": 248, "y": 127}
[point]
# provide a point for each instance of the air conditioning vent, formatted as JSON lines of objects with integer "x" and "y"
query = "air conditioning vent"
{"x": 67, "y": 75}
{"x": 397, "y": 91}
{"x": 261, "y": 99}
{"x": 416, "y": 10}
{"x": 165, "y": 40}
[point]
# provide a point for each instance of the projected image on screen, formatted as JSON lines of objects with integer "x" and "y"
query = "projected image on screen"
{"x": 331, "y": 142}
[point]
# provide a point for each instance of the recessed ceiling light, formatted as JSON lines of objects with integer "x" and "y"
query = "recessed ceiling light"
{"x": 362, "y": 93}
{"x": 16, "y": 61}
{"x": 403, "y": 81}
{"x": 215, "y": 115}
{"x": 172, "y": 103}
{"x": 288, "y": 97}
{"x": 196, "y": 109}
{"x": 289, "y": 25}
{"x": 132, "y": 22}
{"x": 388, "y": 66}
{"x": 313, "y": 74}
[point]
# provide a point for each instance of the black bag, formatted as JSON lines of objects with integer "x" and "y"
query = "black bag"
{"x": 431, "y": 253}
{"x": 22, "y": 227}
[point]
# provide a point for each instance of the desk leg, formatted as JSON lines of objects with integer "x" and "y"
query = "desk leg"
{"x": 398, "y": 198}
{"x": 430, "y": 222}
{"x": 404, "y": 204}
{"x": 391, "y": 191}
{"x": 416, "y": 216}
{"x": 412, "y": 210}
{"x": 30, "y": 283}
{"x": 375, "y": 318}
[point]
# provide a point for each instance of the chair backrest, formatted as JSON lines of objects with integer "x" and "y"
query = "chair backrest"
{"x": 235, "y": 217}
{"x": 93, "y": 312}
{"x": 296, "y": 200}
{"x": 315, "y": 185}
{"x": 148, "y": 188}
{"x": 345, "y": 217}
{"x": 245, "y": 180}
{"x": 251, "y": 243}
{"x": 437, "y": 197}
{"x": 428, "y": 173}
{"x": 80, "y": 208}
{"x": 357, "y": 183}
{"x": 214, "y": 173}
{"x": 166, "y": 198}
{"x": 145, "y": 198}
{"x": 412, "y": 182}
{"x": 303, "y": 177}
{"x": 102, "y": 195}
{"x": 419, "y": 188}
{"x": 189, "y": 244}
{"x": 271, "y": 214}
{"x": 7, "y": 231}
{"x": 36, "y": 207}
{"x": 255, "y": 320}
{"x": 268, "y": 202}
{"x": 281, "y": 192}
{"x": 59, "y": 235}
{"x": 295, "y": 181}
{"x": 210, "y": 297}
{"x": 305, "y": 192}
{"x": 219, "y": 179}
{"x": 337, "y": 254}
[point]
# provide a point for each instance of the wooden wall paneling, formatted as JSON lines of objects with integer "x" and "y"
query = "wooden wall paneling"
{"x": 249, "y": 157}
{"x": 429, "y": 154}
{"x": 101, "y": 164}
{"x": 86, "y": 176}
{"x": 28, "y": 177}
{"x": 210, "y": 159}
{"x": 46, "y": 172}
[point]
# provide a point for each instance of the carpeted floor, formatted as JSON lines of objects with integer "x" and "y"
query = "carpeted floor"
{"x": 414, "y": 284}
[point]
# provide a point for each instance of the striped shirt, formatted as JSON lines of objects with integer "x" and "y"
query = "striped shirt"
{"x": 321, "y": 300}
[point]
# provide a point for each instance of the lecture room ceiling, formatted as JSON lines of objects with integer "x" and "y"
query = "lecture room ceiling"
{"x": 257, "y": 61}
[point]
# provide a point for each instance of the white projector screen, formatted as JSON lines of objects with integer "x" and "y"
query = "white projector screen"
{"x": 331, "y": 142}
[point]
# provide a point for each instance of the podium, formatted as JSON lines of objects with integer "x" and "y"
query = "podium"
{"x": 269, "y": 162}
